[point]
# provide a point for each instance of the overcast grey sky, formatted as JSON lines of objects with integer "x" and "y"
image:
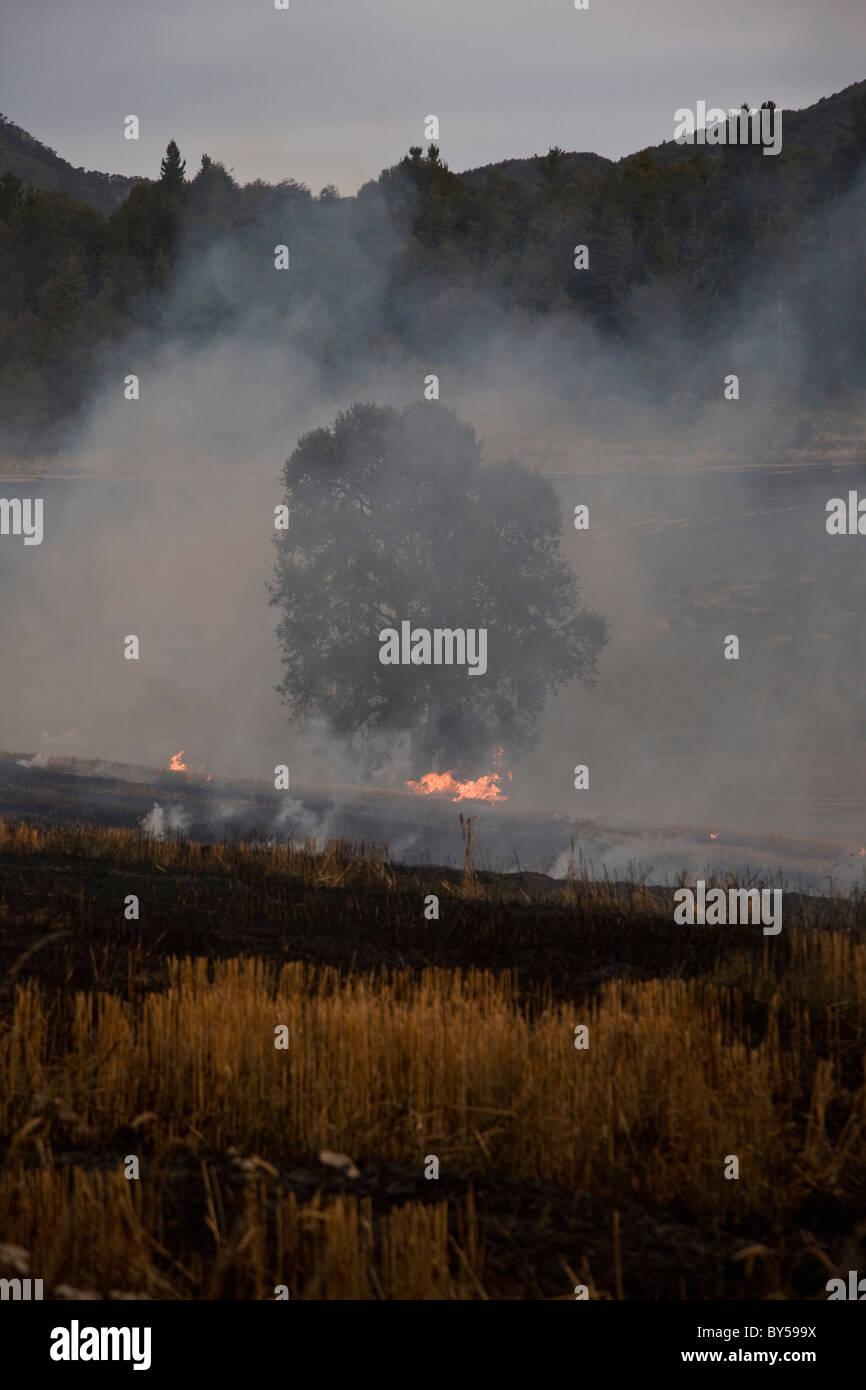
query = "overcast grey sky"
{"x": 335, "y": 90}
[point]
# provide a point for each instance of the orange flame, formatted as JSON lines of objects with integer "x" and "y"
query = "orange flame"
{"x": 498, "y": 755}
{"x": 484, "y": 788}
{"x": 195, "y": 771}
{"x": 714, "y": 835}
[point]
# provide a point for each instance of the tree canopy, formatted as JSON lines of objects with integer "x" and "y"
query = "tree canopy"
{"x": 394, "y": 518}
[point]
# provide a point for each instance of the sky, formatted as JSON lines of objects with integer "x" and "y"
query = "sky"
{"x": 333, "y": 91}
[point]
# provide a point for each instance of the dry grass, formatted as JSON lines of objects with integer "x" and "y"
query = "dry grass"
{"x": 758, "y": 1052}
{"x": 103, "y": 1234}
{"x": 397, "y": 1066}
{"x": 339, "y": 863}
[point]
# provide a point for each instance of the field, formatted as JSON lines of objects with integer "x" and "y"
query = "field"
{"x": 410, "y": 1038}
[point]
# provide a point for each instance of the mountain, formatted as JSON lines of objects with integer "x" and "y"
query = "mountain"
{"x": 527, "y": 171}
{"x": 26, "y": 157}
{"x": 695, "y": 255}
{"x": 820, "y": 128}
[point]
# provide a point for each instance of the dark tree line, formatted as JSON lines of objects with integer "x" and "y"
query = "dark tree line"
{"x": 422, "y": 252}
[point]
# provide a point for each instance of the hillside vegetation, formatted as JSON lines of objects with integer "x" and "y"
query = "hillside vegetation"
{"x": 686, "y": 242}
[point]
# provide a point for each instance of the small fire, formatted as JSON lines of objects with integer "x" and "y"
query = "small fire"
{"x": 714, "y": 835}
{"x": 177, "y": 766}
{"x": 863, "y": 854}
{"x": 484, "y": 788}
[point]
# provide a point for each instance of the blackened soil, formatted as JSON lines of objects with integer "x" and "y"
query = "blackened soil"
{"x": 537, "y": 1241}
{"x": 63, "y": 923}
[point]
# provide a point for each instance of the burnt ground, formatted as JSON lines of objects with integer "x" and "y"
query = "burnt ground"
{"x": 62, "y": 922}
{"x": 533, "y": 1234}
{"x": 414, "y": 830}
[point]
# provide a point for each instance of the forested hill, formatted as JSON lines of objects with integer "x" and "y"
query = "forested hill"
{"x": 28, "y": 159}
{"x": 425, "y": 262}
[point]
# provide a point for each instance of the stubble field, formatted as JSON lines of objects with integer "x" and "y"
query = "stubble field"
{"x": 409, "y": 1039}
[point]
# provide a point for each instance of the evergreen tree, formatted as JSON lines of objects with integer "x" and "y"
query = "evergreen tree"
{"x": 172, "y": 169}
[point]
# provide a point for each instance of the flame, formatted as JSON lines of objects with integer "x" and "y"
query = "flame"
{"x": 484, "y": 788}
{"x": 498, "y": 755}
{"x": 196, "y": 771}
{"x": 714, "y": 835}
{"x": 862, "y": 853}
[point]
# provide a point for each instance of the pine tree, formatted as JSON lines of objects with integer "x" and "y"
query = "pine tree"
{"x": 172, "y": 168}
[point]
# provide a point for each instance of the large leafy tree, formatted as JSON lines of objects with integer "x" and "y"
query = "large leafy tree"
{"x": 392, "y": 518}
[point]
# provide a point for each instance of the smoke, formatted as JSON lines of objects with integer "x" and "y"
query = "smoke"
{"x": 159, "y": 522}
{"x": 160, "y": 822}
{"x": 49, "y": 746}
{"x": 217, "y": 818}
{"x": 427, "y": 830}
{"x": 297, "y": 821}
